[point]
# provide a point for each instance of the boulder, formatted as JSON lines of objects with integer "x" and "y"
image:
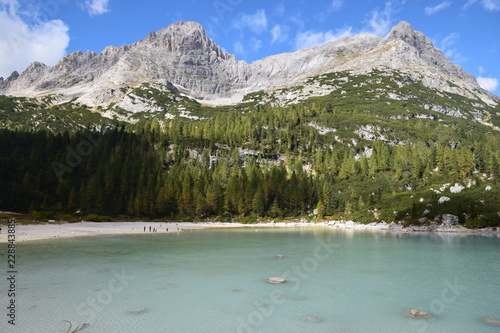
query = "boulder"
{"x": 449, "y": 219}
{"x": 418, "y": 313}
{"x": 423, "y": 220}
{"x": 350, "y": 224}
{"x": 276, "y": 280}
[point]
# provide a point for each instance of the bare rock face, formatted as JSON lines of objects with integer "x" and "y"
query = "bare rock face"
{"x": 182, "y": 55}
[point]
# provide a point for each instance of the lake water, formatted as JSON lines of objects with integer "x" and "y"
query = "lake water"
{"x": 215, "y": 281}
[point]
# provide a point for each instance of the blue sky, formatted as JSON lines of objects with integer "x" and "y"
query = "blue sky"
{"x": 467, "y": 31}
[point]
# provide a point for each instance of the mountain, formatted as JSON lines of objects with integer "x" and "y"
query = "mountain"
{"x": 363, "y": 128}
{"x": 182, "y": 56}
{"x": 180, "y": 72}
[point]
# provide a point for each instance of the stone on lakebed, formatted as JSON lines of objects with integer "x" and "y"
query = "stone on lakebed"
{"x": 418, "y": 313}
{"x": 311, "y": 319}
{"x": 276, "y": 280}
{"x": 492, "y": 321}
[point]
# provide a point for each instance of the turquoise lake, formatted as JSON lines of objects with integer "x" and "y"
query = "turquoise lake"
{"x": 215, "y": 281}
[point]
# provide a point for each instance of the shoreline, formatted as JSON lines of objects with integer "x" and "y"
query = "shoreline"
{"x": 45, "y": 231}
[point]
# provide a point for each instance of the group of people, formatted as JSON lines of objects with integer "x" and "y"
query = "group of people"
{"x": 153, "y": 229}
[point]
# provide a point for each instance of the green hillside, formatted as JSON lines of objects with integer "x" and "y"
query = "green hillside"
{"x": 377, "y": 147}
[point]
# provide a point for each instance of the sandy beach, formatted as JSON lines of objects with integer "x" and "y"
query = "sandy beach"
{"x": 31, "y": 232}
{"x": 39, "y": 231}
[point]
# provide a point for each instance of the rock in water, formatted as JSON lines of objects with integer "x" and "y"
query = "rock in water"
{"x": 260, "y": 304}
{"x": 418, "y": 314}
{"x": 492, "y": 321}
{"x": 276, "y": 280}
{"x": 138, "y": 311}
{"x": 311, "y": 319}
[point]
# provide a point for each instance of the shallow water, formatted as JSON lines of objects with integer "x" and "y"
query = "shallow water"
{"x": 215, "y": 281}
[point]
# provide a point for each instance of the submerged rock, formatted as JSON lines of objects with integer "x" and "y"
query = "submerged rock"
{"x": 311, "y": 319}
{"x": 418, "y": 313}
{"x": 260, "y": 304}
{"x": 276, "y": 280}
{"x": 138, "y": 311}
{"x": 299, "y": 298}
{"x": 492, "y": 321}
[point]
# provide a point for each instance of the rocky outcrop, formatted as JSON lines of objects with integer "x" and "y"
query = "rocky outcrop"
{"x": 183, "y": 55}
{"x": 449, "y": 219}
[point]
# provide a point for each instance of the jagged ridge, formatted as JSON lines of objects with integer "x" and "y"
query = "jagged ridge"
{"x": 183, "y": 55}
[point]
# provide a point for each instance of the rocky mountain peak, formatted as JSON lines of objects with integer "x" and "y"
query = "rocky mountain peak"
{"x": 184, "y": 37}
{"x": 14, "y": 76}
{"x": 405, "y": 32}
{"x": 184, "y": 28}
{"x": 401, "y": 30}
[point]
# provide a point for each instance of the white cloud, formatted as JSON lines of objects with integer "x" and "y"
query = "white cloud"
{"x": 488, "y": 83}
{"x": 431, "y": 10}
{"x": 468, "y": 4}
{"x": 490, "y": 5}
{"x": 336, "y": 5}
{"x": 311, "y": 38}
{"x": 97, "y": 7}
{"x": 255, "y": 44}
{"x": 297, "y": 19}
{"x": 21, "y": 42}
{"x": 280, "y": 9}
{"x": 447, "y": 46}
{"x": 256, "y": 22}
{"x": 382, "y": 20}
{"x": 379, "y": 24}
{"x": 239, "y": 49}
{"x": 279, "y": 33}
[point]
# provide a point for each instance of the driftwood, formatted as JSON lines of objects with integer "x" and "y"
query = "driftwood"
{"x": 77, "y": 329}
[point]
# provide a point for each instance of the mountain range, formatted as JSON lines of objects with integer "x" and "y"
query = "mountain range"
{"x": 181, "y": 58}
